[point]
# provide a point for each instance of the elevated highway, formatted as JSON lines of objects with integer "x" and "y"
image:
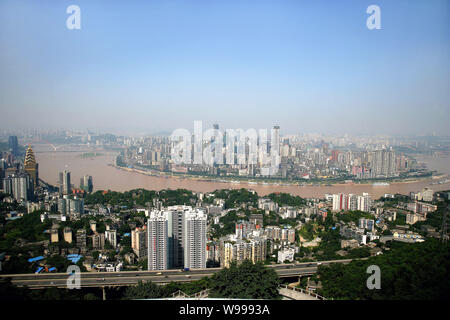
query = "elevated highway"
{"x": 126, "y": 278}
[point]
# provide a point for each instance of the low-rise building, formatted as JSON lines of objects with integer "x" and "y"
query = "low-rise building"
{"x": 286, "y": 254}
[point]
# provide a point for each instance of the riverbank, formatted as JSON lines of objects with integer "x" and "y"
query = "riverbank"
{"x": 106, "y": 176}
{"x": 264, "y": 182}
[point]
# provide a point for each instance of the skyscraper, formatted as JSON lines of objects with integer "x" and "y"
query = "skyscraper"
{"x": 383, "y": 163}
{"x": 19, "y": 185}
{"x": 86, "y": 184}
{"x": 64, "y": 182}
{"x": 194, "y": 239}
{"x": 158, "y": 241}
{"x": 276, "y": 138}
{"x": 31, "y": 167}
{"x": 13, "y": 145}
{"x": 176, "y": 250}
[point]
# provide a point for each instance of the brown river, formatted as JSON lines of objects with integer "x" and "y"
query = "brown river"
{"x": 107, "y": 177}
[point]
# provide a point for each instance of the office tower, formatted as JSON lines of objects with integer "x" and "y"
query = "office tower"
{"x": 13, "y": 145}
{"x": 194, "y": 239}
{"x": 31, "y": 167}
{"x": 276, "y": 138}
{"x": 64, "y": 182}
{"x": 139, "y": 242}
{"x": 111, "y": 236}
{"x": 86, "y": 184}
{"x": 67, "y": 234}
{"x": 158, "y": 241}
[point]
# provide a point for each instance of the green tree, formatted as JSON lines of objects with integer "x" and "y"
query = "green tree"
{"x": 409, "y": 271}
{"x": 246, "y": 281}
{"x": 143, "y": 290}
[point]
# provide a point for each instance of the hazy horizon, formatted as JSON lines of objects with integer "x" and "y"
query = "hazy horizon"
{"x": 147, "y": 67}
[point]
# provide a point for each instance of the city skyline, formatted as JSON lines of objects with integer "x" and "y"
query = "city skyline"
{"x": 150, "y": 67}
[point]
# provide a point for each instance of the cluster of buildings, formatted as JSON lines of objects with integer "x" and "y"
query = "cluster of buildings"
{"x": 19, "y": 179}
{"x": 363, "y": 233}
{"x": 174, "y": 237}
{"x": 350, "y": 202}
{"x": 254, "y": 242}
{"x": 300, "y": 157}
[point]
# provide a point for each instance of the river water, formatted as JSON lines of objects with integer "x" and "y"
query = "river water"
{"x": 107, "y": 177}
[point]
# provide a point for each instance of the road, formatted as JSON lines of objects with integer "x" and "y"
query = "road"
{"x": 124, "y": 278}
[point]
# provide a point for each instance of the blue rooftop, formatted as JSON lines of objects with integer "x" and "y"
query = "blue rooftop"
{"x": 35, "y": 259}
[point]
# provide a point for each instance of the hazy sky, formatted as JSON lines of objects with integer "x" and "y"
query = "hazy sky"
{"x": 308, "y": 66}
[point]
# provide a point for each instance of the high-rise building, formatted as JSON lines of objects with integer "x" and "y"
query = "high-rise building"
{"x": 86, "y": 184}
{"x": 31, "y": 167}
{"x": 111, "y": 237}
{"x": 344, "y": 202}
{"x": 139, "y": 242}
{"x": 276, "y": 138}
{"x": 340, "y": 202}
{"x": 98, "y": 241}
{"x": 352, "y": 202}
{"x": 67, "y": 234}
{"x": 64, "y": 183}
{"x": 54, "y": 235}
{"x": 158, "y": 241}
{"x": 194, "y": 239}
{"x": 383, "y": 163}
{"x": 13, "y": 145}
{"x": 73, "y": 207}
{"x": 364, "y": 202}
{"x": 175, "y": 229}
{"x": 81, "y": 238}
{"x": 19, "y": 186}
